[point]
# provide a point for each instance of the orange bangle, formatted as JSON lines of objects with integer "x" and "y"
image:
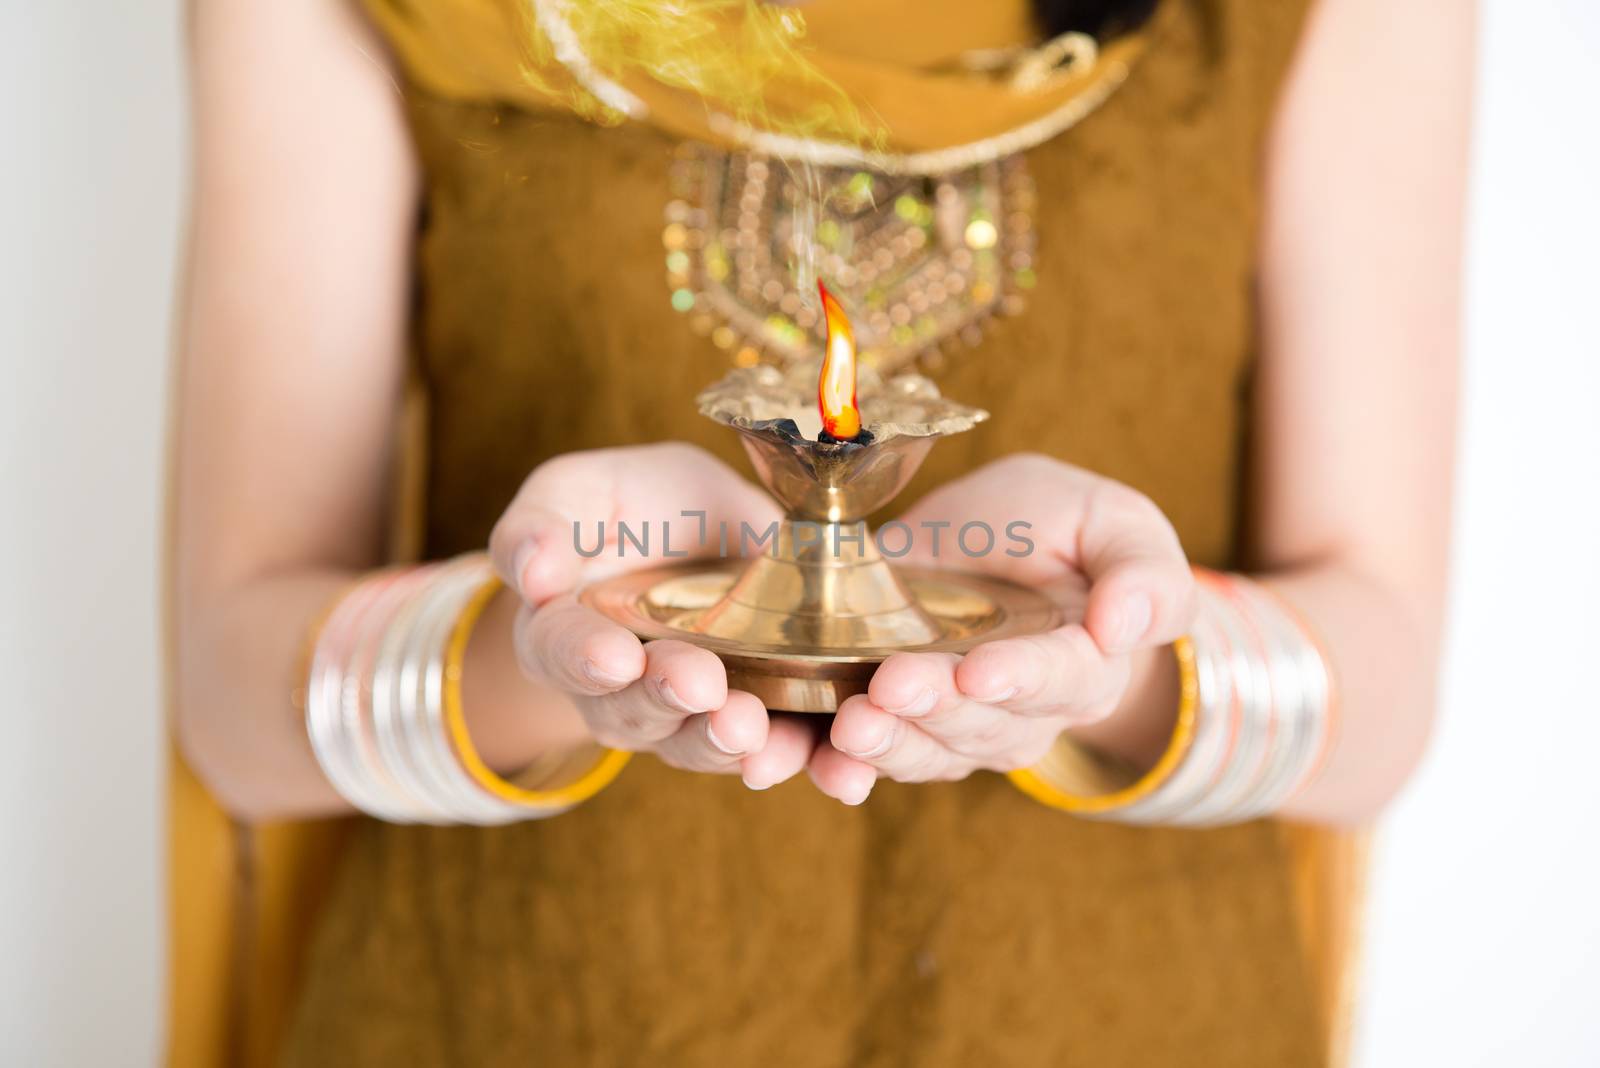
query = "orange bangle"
{"x": 580, "y": 775}
{"x": 1075, "y": 778}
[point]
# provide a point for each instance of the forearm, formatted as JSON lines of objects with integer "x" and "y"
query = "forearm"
{"x": 242, "y": 664}
{"x": 240, "y": 660}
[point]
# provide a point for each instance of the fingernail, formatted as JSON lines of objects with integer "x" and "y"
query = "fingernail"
{"x": 670, "y": 697}
{"x": 920, "y": 707}
{"x": 855, "y": 800}
{"x": 1132, "y": 622}
{"x": 602, "y": 678}
{"x": 996, "y": 698}
{"x": 755, "y": 785}
{"x": 878, "y": 750}
{"x": 720, "y": 745}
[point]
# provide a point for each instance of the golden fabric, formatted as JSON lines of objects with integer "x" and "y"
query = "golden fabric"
{"x": 681, "y": 919}
{"x": 886, "y": 70}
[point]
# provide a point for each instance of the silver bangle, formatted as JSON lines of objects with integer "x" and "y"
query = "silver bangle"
{"x": 382, "y": 744}
{"x": 1262, "y": 716}
{"x": 422, "y": 699}
{"x": 358, "y": 722}
{"x": 325, "y": 700}
{"x": 1248, "y": 758}
{"x": 1303, "y": 674}
{"x": 1201, "y": 768}
{"x": 393, "y": 747}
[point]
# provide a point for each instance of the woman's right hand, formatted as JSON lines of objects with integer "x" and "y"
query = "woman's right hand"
{"x": 666, "y": 697}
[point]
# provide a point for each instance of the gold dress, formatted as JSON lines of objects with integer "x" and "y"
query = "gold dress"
{"x": 681, "y": 919}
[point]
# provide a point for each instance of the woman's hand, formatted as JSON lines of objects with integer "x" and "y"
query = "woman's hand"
{"x": 1108, "y": 556}
{"x": 666, "y": 697}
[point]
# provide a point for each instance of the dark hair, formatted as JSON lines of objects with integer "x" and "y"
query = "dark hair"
{"x": 1101, "y": 19}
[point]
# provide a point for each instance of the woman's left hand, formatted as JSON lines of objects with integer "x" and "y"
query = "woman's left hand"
{"x": 1102, "y": 551}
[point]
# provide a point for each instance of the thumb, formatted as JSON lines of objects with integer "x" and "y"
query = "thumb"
{"x": 549, "y": 540}
{"x": 534, "y": 552}
{"x": 1141, "y": 587}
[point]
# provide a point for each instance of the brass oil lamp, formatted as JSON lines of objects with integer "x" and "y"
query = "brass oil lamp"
{"x": 804, "y": 625}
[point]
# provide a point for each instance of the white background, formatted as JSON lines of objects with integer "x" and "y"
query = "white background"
{"x": 1484, "y": 941}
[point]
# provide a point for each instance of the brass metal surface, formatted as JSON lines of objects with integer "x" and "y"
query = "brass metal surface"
{"x": 809, "y": 662}
{"x": 805, "y": 624}
{"x": 775, "y": 415}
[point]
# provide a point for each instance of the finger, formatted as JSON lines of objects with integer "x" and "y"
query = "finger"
{"x": 790, "y": 742}
{"x": 1061, "y": 672}
{"x": 914, "y": 684}
{"x": 894, "y": 746}
{"x": 1012, "y": 517}
{"x": 841, "y": 777}
{"x": 679, "y": 680}
{"x": 922, "y": 688}
{"x": 1143, "y": 592}
{"x": 576, "y": 649}
{"x": 562, "y": 527}
{"x": 1142, "y": 589}
{"x": 718, "y": 740}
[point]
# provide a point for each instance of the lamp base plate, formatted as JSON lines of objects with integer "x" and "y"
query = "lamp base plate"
{"x": 785, "y": 671}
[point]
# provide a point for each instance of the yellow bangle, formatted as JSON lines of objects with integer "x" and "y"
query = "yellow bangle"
{"x": 585, "y": 775}
{"x": 1074, "y": 778}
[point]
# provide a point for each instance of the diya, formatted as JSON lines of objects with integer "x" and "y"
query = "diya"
{"x": 804, "y": 625}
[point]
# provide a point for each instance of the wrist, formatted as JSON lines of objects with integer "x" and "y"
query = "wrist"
{"x": 1139, "y": 729}
{"x": 513, "y": 719}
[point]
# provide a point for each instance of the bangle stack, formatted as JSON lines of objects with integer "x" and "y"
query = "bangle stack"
{"x": 383, "y": 707}
{"x": 1255, "y": 723}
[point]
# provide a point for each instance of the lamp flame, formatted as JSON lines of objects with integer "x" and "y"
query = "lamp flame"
{"x": 836, "y": 386}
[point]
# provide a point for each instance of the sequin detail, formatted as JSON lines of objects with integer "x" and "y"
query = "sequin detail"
{"x": 920, "y": 262}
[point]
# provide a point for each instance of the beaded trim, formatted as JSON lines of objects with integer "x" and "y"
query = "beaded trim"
{"x": 920, "y": 262}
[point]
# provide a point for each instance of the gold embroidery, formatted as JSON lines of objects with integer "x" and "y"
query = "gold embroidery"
{"x": 921, "y": 262}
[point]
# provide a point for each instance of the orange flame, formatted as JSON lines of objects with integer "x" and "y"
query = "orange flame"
{"x": 836, "y": 387}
